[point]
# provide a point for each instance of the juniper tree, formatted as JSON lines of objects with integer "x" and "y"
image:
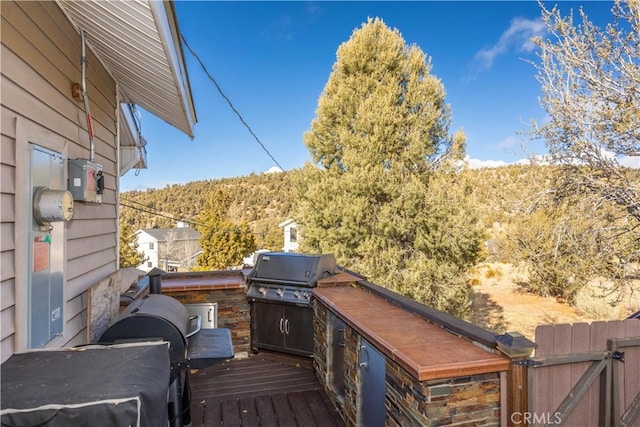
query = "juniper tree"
{"x": 382, "y": 193}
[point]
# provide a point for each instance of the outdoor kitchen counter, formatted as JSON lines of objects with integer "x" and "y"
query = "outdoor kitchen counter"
{"x": 425, "y": 350}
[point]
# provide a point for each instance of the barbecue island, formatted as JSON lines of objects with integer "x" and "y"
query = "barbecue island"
{"x": 376, "y": 357}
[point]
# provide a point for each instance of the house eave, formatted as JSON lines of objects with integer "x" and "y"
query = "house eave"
{"x": 138, "y": 42}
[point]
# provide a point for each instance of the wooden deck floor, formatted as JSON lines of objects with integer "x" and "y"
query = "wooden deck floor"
{"x": 268, "y": 390}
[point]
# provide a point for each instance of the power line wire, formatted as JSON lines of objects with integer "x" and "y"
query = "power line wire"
{"x": 149, "y": 210}
{"x": 195, "y": 55}
{"x": 226, "y": 98}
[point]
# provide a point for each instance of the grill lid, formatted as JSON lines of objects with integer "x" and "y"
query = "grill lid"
{"x": 158, "y": 316}
{"x": 154, "y": 316}
{"x": 292, "y": 269}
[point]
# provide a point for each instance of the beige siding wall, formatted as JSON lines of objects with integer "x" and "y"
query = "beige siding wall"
{"x": 40, "y": 60}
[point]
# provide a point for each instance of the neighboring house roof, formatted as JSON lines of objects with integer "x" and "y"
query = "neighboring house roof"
{"x": 139, "y": 44}
{"x": 176, "y": 234}
{"x": 287, "y": 222}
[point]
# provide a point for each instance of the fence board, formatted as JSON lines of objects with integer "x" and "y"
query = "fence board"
{"x": 630, "y": 376}
{"x": 543, "y": 400}
{"x": 552, "y": 384}
{"x": 580, "y": 343}
{"x": 562, "y": 373}
{"x": 600, "y": 331}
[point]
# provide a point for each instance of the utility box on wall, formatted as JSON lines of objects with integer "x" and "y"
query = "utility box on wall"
{"x": 85, "y": 180}
{"x": 51, "y": 206}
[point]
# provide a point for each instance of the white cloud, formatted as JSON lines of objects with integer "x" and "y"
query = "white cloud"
{"x": 516, "y": 38}
{"x": 542, "y": 160}
{"x": 479, "y": 164}
{"x": 630, "y": 161}
{"x": 274, "y": 169}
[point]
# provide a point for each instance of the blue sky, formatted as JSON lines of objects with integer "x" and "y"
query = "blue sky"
{"x": 272, "y": 59}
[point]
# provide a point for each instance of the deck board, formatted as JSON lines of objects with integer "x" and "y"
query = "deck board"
{"x": 266, "y": 390}
{"x": 248, "y": 413}
{"x": 284, "y": 413}
{"x": 301, "y": 410}
{"x": 266, "y": 414}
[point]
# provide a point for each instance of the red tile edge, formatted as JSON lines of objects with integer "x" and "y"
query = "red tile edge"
{"x": 340, "y": 279}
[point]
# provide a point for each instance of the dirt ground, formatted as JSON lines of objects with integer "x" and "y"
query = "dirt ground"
{"x": 502, "y": 305}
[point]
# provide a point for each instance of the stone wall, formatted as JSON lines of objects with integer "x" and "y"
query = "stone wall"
{"x": 320, "y": 346}
{"x": 469, "y": 400}
{"x": 351, "y": 377}
{"x": 322, "y": 360}
{"x": 233, "y": 308}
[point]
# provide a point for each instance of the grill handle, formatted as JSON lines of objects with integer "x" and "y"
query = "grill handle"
{"x": 198, "y": 320}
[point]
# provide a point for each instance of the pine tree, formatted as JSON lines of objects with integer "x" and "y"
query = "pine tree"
{"x": 129, "y": 255}
{"x": 383, "y": 195}
{"x": 224, "y": 244}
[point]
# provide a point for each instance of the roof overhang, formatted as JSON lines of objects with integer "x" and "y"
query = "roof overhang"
{"x": 138, "y": 42}
{"x": 133, "y": 153}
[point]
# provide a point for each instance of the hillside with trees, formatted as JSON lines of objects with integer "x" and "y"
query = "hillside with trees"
{"x": 261, "y": 201}
{"x": 499, "y": 195}
{"x": 502, "y": 199}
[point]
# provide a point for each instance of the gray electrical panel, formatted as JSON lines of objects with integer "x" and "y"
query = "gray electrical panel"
{"x": 85, "y": 180}
{"x": 46, "y": 253}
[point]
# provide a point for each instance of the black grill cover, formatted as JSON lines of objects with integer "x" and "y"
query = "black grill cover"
{"x": 95, "y": 386}
{"x": 292, "y": 269}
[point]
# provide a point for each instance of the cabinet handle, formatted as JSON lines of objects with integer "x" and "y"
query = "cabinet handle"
{"x": 341, "y": 331}
{"x": 210, "y": 315}
{"x": 286, "y": 326}
{"x": 363, "y": 351}
{"x": 281, "y": 325}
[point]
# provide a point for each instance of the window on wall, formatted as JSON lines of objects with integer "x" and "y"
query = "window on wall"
{"x": 149, "y": 264}
{"x": 293, "y": 235}
{"x": 151, "y": 245}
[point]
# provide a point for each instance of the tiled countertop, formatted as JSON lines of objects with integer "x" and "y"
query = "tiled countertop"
{"x": 425, "y": 350}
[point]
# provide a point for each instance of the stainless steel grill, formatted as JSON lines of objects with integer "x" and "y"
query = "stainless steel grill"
{"x": 280, "y": 296}
{"x": 292, "y": 269}
{"x": 288, "y": 278}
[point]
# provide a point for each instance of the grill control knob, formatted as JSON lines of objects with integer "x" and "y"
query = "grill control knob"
{"x": 279, "y": 292}
{"x": 306, "y": 295}
{"x": 262, "y": 290}
{"x": 296, "y": 294}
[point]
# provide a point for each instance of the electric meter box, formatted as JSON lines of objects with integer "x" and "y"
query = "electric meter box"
{"x": 85, "y": 180}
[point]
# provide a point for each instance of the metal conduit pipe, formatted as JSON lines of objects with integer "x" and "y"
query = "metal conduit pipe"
{"x": 85, "y": 98}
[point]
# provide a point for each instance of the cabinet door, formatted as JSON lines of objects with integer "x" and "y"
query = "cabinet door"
{"x": 372, "y": 371}
{"x": 298, "y": 329}
{"x": 268, "y": 325}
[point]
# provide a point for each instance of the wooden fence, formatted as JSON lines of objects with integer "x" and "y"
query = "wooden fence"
{"x": 585, "y": 375}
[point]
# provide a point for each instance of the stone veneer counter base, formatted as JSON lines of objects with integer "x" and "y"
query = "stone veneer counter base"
{"x": 425, "y": 350}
